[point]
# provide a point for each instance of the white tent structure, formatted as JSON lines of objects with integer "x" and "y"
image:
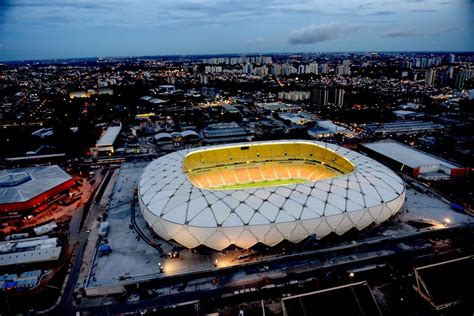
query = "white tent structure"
{"x": 169, "y": 137}
{"x": 163, "y": 137}
{"x": 361, "y": 191}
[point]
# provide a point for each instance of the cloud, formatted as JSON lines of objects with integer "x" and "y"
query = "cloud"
{"x": 424, "y": 10}
{"x": 447, "y": 30}
{"x": 318, "y": 33}
{"x": 414, "y": 33}
{"x": 55, "y": 28}
{"x": 139, "y": 13}
{"x": 383, "y": 13}
{"x": 402, "y": 33}
{"x": 70, "y": 4}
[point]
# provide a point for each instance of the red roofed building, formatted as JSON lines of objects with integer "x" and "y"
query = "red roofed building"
{"x": 24, "y": 188}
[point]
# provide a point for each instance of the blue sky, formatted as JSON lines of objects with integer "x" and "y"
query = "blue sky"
{"x": 41, "y": 29}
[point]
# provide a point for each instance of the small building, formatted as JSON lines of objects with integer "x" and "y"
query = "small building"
{"x": 162, "y": 138}
{"x": 26, "y": 283}
{"x": 415, "y": 162}
{"x": 225, "y": 132}
{"x": 156, "y": 101}
{"x": 190, "y": 136}
{"x": 105, "y": 145}
{"x": 78, "y": 94}
{"x": 187, "y": 136}
{"x": 229, "y": 108}
{"x": 45, "y": 229}
{"x": 17, "y": 236}
{"x": 167, "y": 88}
{"x": 24, "y": 280}
{"x": 146, "y": 98}
{"x": 408, "y": 115}
{"x": 279, "y": 107}
{"x": 333, "y": 128}
{"x": 402, "y": 128}
{"x": 105, "y": 91}
{"x": 43, "y": 132}
{"x": 8, "y": 277}
{"x": 319, "y": 132}
{"x": 295, "y": 119}
{"x": 29, "y": 274}
{"x": 31, "y": 250}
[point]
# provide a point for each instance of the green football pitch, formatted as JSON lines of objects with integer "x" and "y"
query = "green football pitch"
{"x": 260, "y": 184}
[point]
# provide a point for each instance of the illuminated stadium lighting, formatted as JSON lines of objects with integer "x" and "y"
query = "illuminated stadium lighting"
{"x": 291, "y": 190}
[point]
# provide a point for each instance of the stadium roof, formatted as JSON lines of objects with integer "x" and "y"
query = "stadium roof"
{"x": 177, "y": 209}
{"x": 407, "y": 155}
{"x": 23, "y": 184}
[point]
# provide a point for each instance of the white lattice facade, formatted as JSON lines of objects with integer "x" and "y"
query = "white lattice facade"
{"x": 179, "y": 210}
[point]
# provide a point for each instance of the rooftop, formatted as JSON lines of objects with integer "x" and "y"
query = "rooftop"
{"x": 446, "y": 282}
{"x": 108, "y": 138}
{"x": 279, "y": 106}
{"x": 27, "y": 244}
{"x": 350, "y": 299}
{"x": 21, "y": 185}
{"x": 224, "y": 130}
{"x": 403, "y": 126}
{"x": 166, "y": 192}
{"x": 409, "y": 156}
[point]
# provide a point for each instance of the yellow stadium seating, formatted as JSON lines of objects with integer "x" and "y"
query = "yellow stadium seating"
{"x": 230, "y": 166}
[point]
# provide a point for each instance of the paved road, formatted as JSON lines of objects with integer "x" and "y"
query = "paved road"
{"x": 300, "y": 265}
{"x": 65, "y": 306}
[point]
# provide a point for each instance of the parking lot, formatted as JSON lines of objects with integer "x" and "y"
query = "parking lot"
{"x": 130, "y": 256}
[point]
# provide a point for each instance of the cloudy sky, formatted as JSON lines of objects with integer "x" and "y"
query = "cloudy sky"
{"x": 41, "y": 29}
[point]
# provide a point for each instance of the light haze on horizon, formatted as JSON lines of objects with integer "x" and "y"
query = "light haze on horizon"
{"x": 45, "y": 29}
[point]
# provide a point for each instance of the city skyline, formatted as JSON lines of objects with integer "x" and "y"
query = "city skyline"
{"x": 50, "y": 29}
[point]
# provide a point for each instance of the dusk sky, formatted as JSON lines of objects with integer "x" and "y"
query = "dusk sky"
{"x": 42, "y": 29}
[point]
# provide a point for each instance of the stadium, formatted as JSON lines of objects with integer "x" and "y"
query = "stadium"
{"x": 265, "y": 192}
{"x": 22, "y": 189}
